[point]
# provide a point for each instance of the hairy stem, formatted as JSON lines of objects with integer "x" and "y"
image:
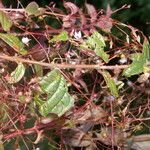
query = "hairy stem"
{"x": 62, "y": 65}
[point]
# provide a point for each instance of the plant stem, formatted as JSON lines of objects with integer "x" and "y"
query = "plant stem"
{"x": 62, "y": 65}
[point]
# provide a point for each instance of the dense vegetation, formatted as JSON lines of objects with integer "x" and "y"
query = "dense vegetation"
{"x": 73, "y": 76}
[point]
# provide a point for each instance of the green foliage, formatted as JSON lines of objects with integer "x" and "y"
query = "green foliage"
{"x": 96, "y": 42}
{"x": 1, "y": 145}
{"x": 14, "y": 42}
{"x": 17, "y": 74}
{"x": 139, "y": 61}
{"x": 63, "y": 36}
{"x": 38, "y": 70}
{"x": 146, "y": 52}
{"x": 3, "y": 112}
{"x": 32, "y": 9}
{"x": 110, "y": 83}
{"x": 59, "y": 100}
{"x": 5, "y": 21}
{"x": 43, "y": 126}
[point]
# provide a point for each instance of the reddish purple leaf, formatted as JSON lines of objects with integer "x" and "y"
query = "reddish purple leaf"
{"x": 83, "y": 18}
{"x": 68, "y": 21}
{"x": 73, "y": 8}
{"x": 105, "y": 23}
{"x": 92, "y": 12}
{"x": 108, "y": 11}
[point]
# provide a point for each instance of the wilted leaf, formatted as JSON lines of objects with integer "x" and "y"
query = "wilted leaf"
{"x": 90, "y": 113}
{"x": 5, "y": 21}
{"x": 32, "y": 9}
{"x": 96, "y": 42}
{"x": 63, "y": 36}
{"x": 105, "y": 134}
{"x": 143, "y": 77}
{"x": 14, "y": 42}
{"x": 75, "y": 137}
{"x": 59, "y": 100}
{"x": 110, "y": 83}
{"x": 139, "y": 61}
{"x": 17, "y": 74}
{"x": 92, "y": 12}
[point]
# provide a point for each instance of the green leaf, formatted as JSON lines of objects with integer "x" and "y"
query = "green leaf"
{"x": 99, "y": 40}
{"x": 32, "y": 9}
{"x": 110, "y": 83}
{"x": 59, "y": 100}
{"x": 14, "y": 42}
{"x": 102, "y": 54}
{"x": 38, "y": 70}
{"x": 5, "y": 21}
{"x": 3, "y": 114}
{"x": 135, "y": 56}
{"x": 139, "y": 61}
{"x": 146, "y": 51}
{"x": 17, "y": 74}
{"x": 135, "y": 68}
{"x": 96, "y": 42}
{"x": 1, "y": 145}
{"x": 63, "y": 36}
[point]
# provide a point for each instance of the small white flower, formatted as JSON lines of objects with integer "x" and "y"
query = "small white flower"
{"x": 17, "y": 15}
{"x": 127, "y": 38}
{"x": 2, "y": 70}
{"x": 77, "y": 35}
{"x": 123, "y": 60}
{"x": 129, "y": 83}
{"x": 109, "y": 98}
{"x": 138, "y": 39}
{"x": 25, "y": 40}
{"x": 46, "y": 120}
{"x": 36, "y": 26}
{"x": 148, "y": 113}
{"x": 67, "y": 55}
{"x": 120, "y": 84}
{"x": 73, "y": 62}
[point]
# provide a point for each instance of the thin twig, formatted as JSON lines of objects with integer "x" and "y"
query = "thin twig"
{"x": 38, "y": 127}
{"x": 141, "y": 119}
{"x": 23, "y": 10}
{"x": 141, "y": 138}
{"x": 62, "y": 65}
{"x": 12, "y": 9}
{"x": 112, "y": 125}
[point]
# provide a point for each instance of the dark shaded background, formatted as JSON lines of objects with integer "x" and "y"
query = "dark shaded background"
{"x": 138, "y": 15}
